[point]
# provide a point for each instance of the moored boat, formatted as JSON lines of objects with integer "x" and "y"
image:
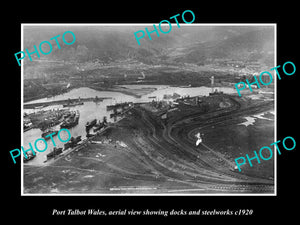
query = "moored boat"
{"x": 90, "y": 124}
{"x": 72, "y": 143}
{"x": 71, "y": 121}
{"x": 56, "y": 151}
{"x": 30, "y": 156}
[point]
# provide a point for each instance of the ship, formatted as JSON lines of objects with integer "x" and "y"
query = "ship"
{"x": 27, "y": 126}
{"x": 96, "y": 99}
{"x": 90, "y": 124}
{"x": 73, "y": 104}
{"x": 71, "y": 121}
{"x": 70, "y": 103}
{"x": 46, "y": 133}
{"x": 56, "y": 151}
{"x": 30, "y": 156}
{"x": 99, "y": 126}
{"x": 77, "y": 115}
{"x": 66, "y": 114}
{"x": 72, "y": 143}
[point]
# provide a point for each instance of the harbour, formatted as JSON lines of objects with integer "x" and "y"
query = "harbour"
{"x": 156, "y": 120}
{"x": 110, "y": 108}
{"x": 118, "y": 147}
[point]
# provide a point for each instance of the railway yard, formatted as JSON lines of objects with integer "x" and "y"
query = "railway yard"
{"x": 152, "y": 150}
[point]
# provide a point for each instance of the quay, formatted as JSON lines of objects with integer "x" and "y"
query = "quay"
{"x": 83, "y": 144}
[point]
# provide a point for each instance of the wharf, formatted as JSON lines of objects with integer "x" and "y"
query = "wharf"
{"x": 61, "y": 102}
{"x": 83, "y": 144}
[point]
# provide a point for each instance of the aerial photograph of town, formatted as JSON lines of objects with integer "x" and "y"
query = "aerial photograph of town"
{"x": 160, "y": 118}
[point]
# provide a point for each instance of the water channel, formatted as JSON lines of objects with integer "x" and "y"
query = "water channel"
{"x": 92, "y": 110}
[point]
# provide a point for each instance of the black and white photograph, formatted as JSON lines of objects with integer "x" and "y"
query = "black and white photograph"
{"x": 154, "y": 113}
{"x": 141, "y": 112}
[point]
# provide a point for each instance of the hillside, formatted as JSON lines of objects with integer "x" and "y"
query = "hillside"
{"x": 107, "y": 45}
{"x": 257, "y": 45}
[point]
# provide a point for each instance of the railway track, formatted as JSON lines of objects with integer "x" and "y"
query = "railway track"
{"x": 176, "y": 138}
{"x": 168, "y": 154}
{"x": 216, "y": 119}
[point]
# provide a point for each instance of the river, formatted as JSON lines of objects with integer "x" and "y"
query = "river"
{"x": 92, "y": 110}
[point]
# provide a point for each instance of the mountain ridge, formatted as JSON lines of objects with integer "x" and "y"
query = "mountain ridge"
{"x": 195, "y": 45}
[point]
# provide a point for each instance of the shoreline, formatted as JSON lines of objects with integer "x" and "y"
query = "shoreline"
{"x": 138, "y": 93}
